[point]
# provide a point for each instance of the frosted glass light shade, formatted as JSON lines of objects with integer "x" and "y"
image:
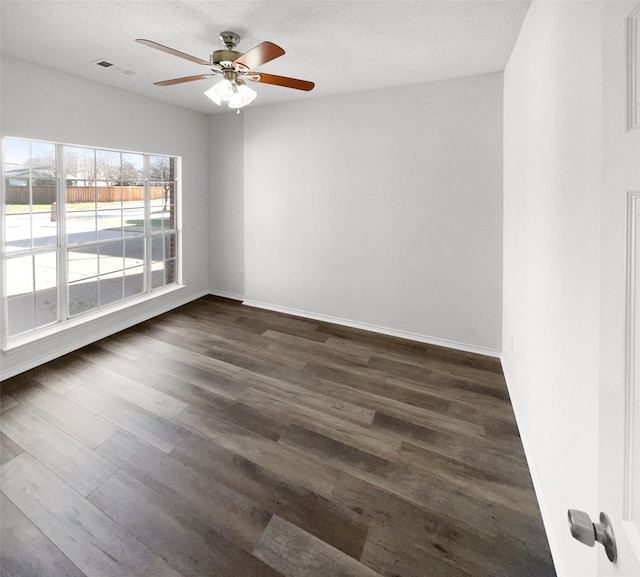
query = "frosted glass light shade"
{"x": 220, "y": 92}
{"x": 242, "y": 97}
{"x": 238, "y": 94}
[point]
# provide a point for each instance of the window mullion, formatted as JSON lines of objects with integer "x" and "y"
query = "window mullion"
{"x": 147, "y": 227}
{"x": 30, "y": 177}
{"x": 96, "y": 196}
{"x": 35, "y": 288}
{"x": 61, "y": 214}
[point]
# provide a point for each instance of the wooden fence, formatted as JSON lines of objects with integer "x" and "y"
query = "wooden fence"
{"x": 47, "y": 194}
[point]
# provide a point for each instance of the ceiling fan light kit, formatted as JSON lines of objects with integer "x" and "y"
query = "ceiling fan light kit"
{"x": 234, "y": 67}
{"x": 243, "y": 96}
{"x": 237, "y": 94}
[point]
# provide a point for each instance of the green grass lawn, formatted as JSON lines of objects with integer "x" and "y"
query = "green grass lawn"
{"x": 24, "y": 208}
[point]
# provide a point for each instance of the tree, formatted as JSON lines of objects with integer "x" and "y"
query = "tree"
{"x": 131, "y": 175}
{"x": 162, "y": 170}
{"x": 80, "y": 165}
{"x": 116, "y": 169}
{"x": 44, "y": 159}
{"x": 109, "y": 167}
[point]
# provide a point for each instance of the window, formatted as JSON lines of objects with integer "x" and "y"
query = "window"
{"x": 84, "y": 229}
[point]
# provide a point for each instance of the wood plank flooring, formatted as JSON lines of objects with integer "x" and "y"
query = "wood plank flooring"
{"x": 221, "y": 440}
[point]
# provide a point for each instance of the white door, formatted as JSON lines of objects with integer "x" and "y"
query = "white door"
{"x": 620, "y": 310}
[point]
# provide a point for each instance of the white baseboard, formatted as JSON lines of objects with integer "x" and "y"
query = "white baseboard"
{"x": 538, "y": 487}
{"x": 227, "y": 295}
{"x": 377, "y": 329}
{"x": 69, "y": 347}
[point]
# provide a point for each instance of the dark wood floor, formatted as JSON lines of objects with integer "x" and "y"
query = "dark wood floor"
{"x": 221, "y": 440}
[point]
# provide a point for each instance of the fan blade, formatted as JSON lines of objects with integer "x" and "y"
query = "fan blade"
{"x": 259, "y": 55}
{"x": 184, "y": 79}
{"x": 168, "y": 50}
{"x": 282, "y": 81}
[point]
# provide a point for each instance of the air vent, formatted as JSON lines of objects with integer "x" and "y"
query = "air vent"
{"x": 113, "y": 67}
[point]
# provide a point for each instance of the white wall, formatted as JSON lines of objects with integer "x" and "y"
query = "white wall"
{"x": 42, "y": 104}
{"x": 226, "y": 205}
{"x": 378, "y": 214}
{"x": 552, "y": 184}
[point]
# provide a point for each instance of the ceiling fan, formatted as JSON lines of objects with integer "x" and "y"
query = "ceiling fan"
{"x": 234, "y": 68}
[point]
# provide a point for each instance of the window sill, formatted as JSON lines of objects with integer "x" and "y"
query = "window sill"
{"x": 15, "y": 344}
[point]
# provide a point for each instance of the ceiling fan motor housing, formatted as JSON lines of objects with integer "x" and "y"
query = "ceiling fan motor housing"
{"x": 225, "y": 57}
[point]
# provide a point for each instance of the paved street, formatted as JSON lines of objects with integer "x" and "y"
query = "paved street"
{"x": 84, "y": 261}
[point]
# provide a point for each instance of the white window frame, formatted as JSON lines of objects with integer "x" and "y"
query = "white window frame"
{"x": 65, "y": 320}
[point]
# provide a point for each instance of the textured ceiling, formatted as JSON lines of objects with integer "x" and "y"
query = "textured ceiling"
{"x": 343, "y": 46}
